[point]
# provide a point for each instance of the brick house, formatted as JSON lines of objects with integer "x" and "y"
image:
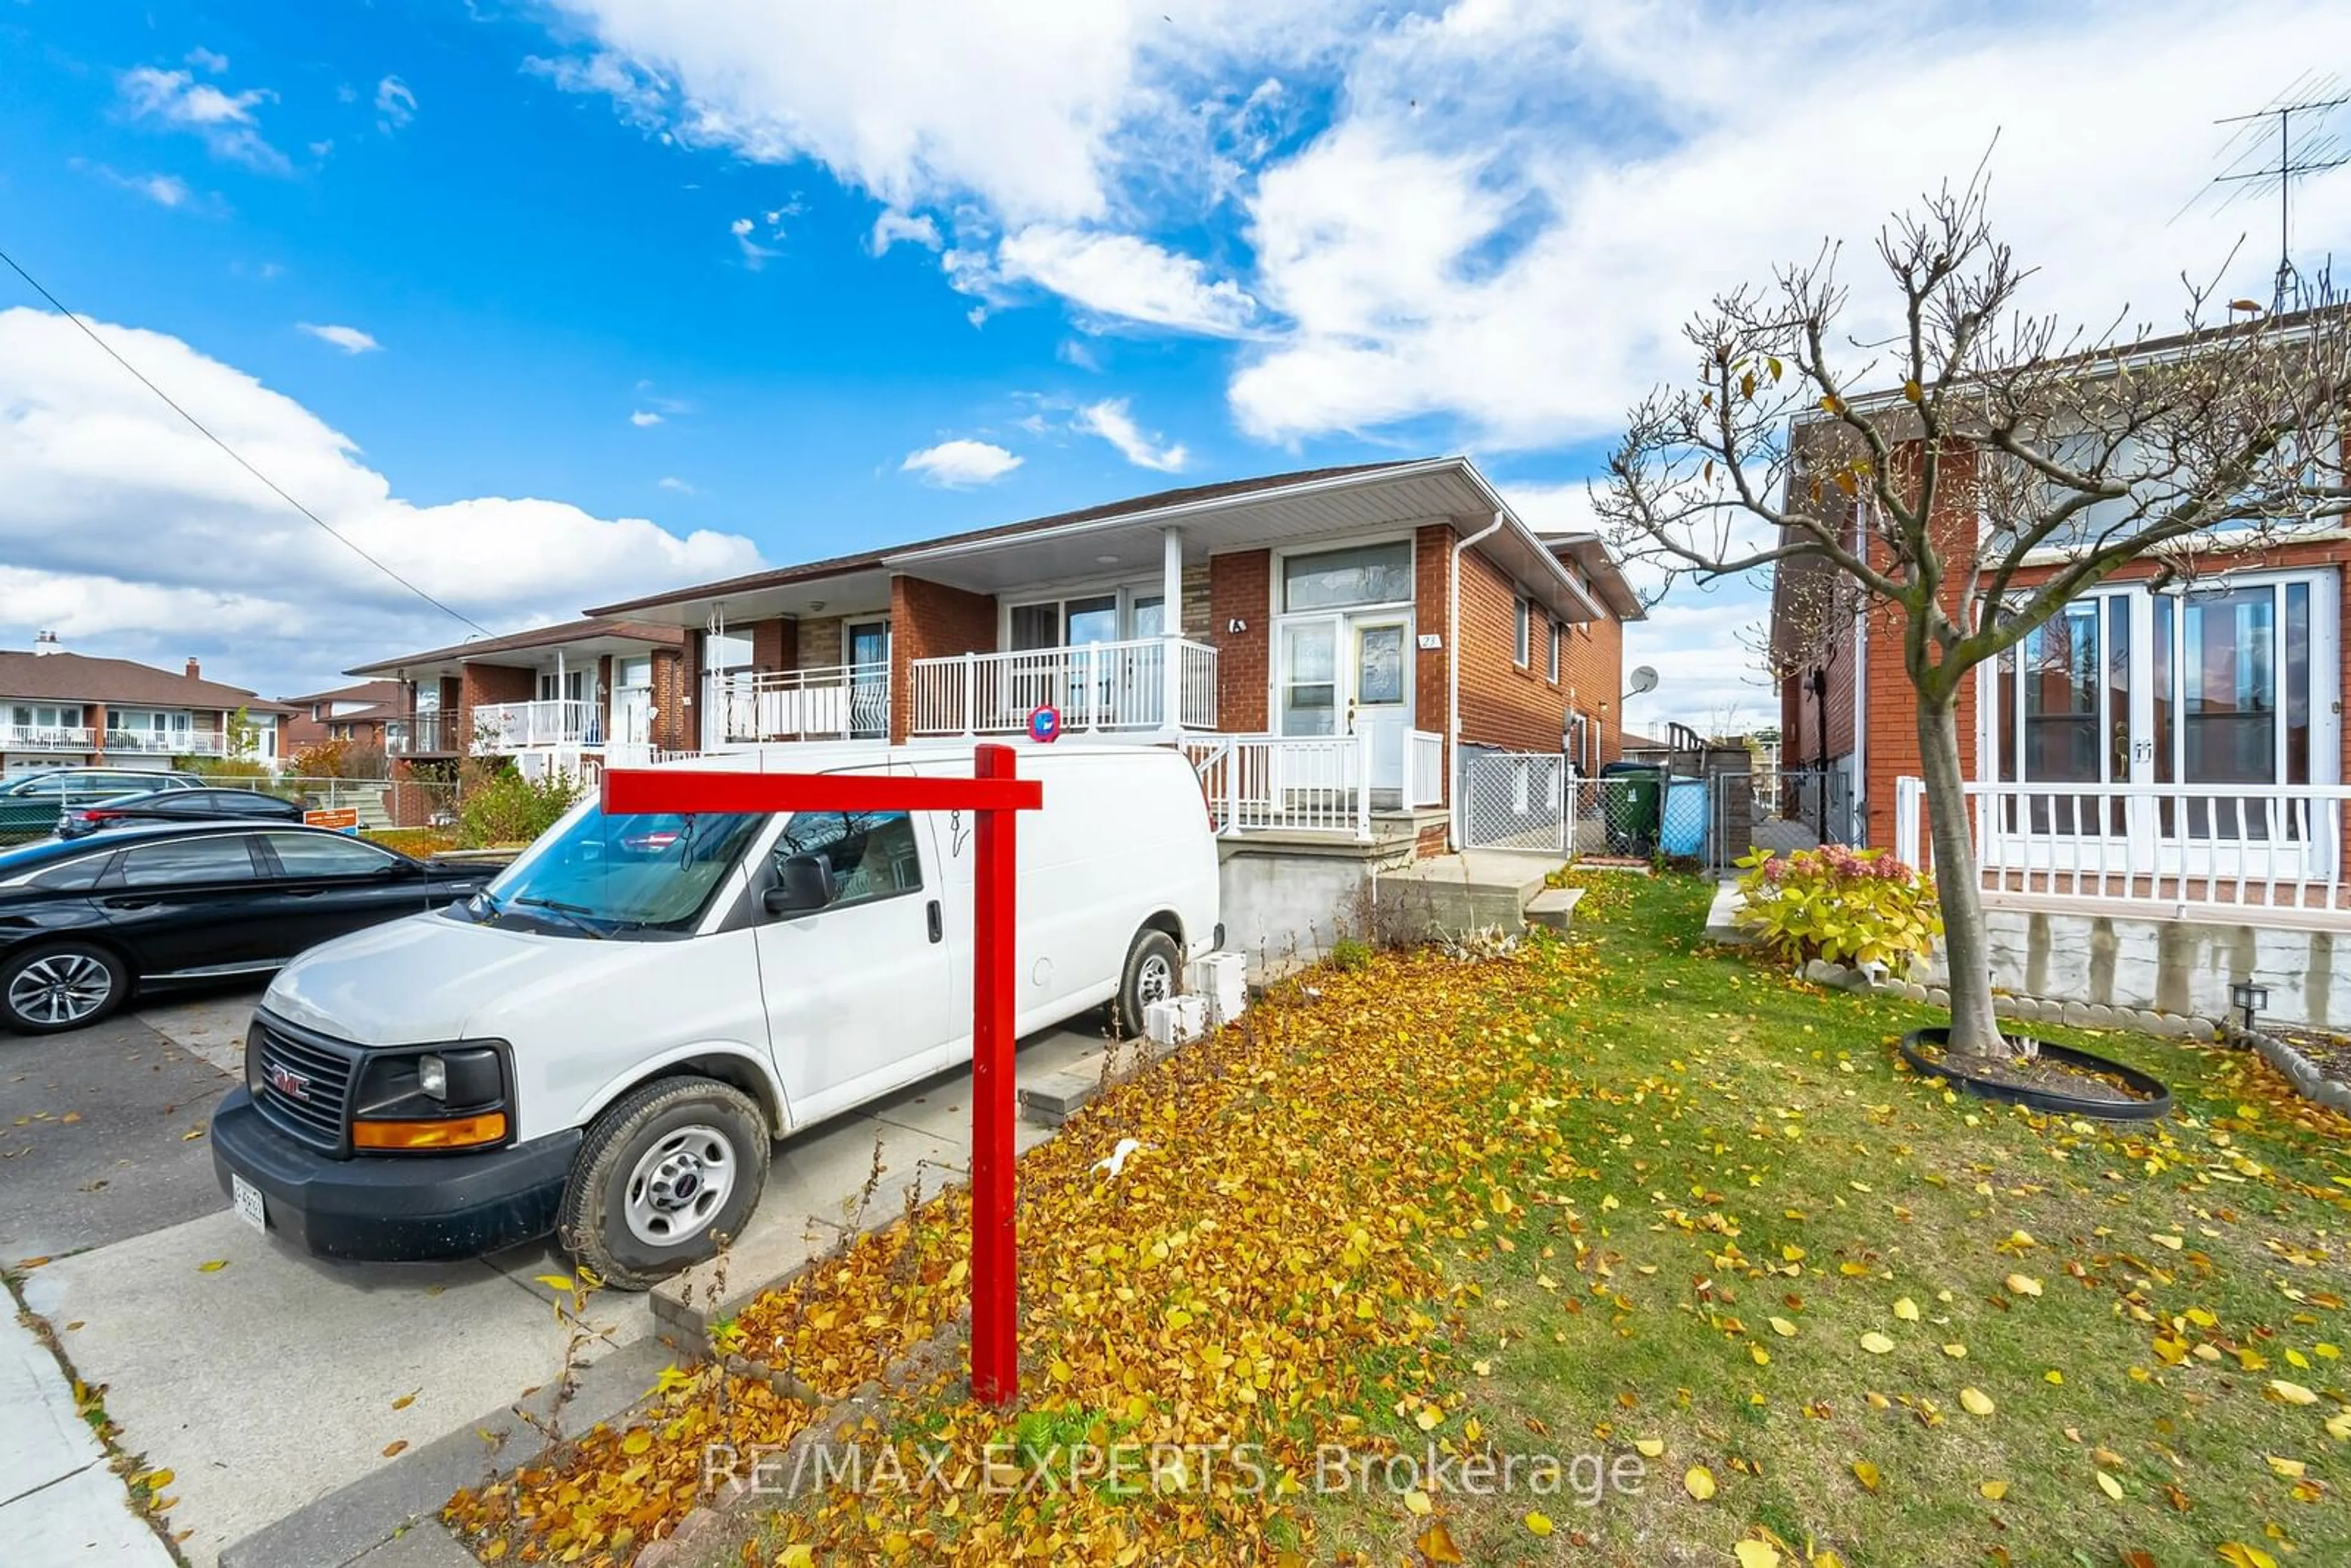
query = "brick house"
{"x": 2154, "y": 777}
{"x": 359, "y": 714}
{"x": 1324, "y": 644}
{"x": 552, "y": 699}
{"x": 66, "y": 710}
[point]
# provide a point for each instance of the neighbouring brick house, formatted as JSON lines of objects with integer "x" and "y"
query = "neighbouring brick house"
{"x": 360, "y": 716}
{"x": 66, "y": 710}
{"x": 1324, "y": 643}
{"x": 562, "y": 698}
{"x": 2154, "y": 777}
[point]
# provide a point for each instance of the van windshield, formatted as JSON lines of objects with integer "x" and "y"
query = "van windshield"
{"x": 600, "y": 876}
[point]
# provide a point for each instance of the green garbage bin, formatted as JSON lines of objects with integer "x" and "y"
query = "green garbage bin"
{"x": 1631, "y": 794}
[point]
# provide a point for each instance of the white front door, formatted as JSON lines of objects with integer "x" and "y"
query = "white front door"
{"x": 1379, "y": 691}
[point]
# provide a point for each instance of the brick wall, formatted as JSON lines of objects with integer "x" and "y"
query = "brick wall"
{"x": 1503, "y": 703}
{"x": 1431, "y": 593}
{"x": 484, "y": 684}
{"x": 1241, "y": 587}
{"x": 929, "y": 620}
{"x": 676, "y": 680}
{"x": 820, "y": 644}
{"x": 1890, "y": 733}
{"x": 1197, "y": 607}
{"x": 1592, "y": 679}
{"x": 775, "y": 644}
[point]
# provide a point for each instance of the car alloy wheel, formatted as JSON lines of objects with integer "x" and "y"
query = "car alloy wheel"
{"x": 60, "y": 989}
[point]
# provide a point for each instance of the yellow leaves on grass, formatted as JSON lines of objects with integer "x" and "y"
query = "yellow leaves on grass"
{"x": 1992, "y": 1491}
{"x": 1435, "y": 1543}
{"x": 1867, "y": 1474}
{"x": 2291, "y": 1393}
{"x": 1876, "y": 1343}
{"x": 1975, "y": 1401}
{"x": 1538, "y": 1523}
{"x": 1783, "y": 1328}
{"x": 2024, "y": 1285}
{"x": 1753, "y": 1553}
{"x": 2108, "y": 1485}
{"x": 1907, "y": 1310}
{"x": 2237, "y": 1554}
{"x": 1699, "y": 1481}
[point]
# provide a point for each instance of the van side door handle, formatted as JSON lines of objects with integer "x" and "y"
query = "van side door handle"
{"x": 938, "y": 926}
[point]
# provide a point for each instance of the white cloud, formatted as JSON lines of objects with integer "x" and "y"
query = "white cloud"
{"x": 349, "y": 339}
{"x": 224, "y": 120}
{"x": 163, "y": 190}
{"x": 205, "y": 59}
{"x": 395, "y": 104}
{"x": 676, "y": 486}
{"x": 755, "y": 255}
{"x": 959, "y": 464}
{"x": 1125, "y": 278}
{"x": 644, "y": 418}
{"x": 1110, "y": 419}
{"x": 894, "y": 225}
{"x": 134, "y": 535}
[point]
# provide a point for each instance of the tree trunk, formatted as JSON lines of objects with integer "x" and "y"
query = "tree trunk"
{"x": 1967, "y": 947}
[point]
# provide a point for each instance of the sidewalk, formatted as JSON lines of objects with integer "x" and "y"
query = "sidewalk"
{"x": 59, "y": 1503}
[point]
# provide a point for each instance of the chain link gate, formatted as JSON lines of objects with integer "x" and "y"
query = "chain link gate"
{"x": 1514, "y": 801}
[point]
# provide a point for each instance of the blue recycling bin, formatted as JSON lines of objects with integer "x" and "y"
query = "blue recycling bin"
{"x": 1682, "y": 831}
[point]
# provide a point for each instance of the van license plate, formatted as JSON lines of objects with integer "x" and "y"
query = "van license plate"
{"x": 248, "y": 1204}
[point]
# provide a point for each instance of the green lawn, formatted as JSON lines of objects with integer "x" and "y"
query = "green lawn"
{"x": 1750, "y": 1186}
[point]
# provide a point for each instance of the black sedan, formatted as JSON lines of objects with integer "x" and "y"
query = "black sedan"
{"x": 208, "y": 805}
{"x": 84, "y": 923}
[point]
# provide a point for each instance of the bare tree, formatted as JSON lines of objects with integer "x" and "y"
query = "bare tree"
{"x": 2010, "y": 464}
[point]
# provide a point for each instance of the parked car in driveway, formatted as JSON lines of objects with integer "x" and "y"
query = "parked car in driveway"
{"x": 32, "y": 803}
{"x": 87, "y": 922}
{"x": 205, "y": 805}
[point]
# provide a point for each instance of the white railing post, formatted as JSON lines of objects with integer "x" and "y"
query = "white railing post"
{"x": 1363, "y": 789}
{"x": 971, "y": 673}
{"x": 1171, "y": 684}
{"x": 1235, "y": 752}
{"x": 1906, "y": 794}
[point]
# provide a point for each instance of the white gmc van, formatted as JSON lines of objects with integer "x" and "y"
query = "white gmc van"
{"x": 603, "y": 1042}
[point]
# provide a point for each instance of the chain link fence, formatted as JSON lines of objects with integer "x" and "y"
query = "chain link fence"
{"x": 1514, "y": 801}
{"x": 379, "y": 804}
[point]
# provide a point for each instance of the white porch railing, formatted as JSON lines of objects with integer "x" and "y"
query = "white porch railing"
{"x": 500, "y": 727}
{"x": 823, "y": 701}
{"x": 1423, "y": 768}
{"x": 168, "y": 742}
{"x": 1285, "y": 783}
{"x": 44, "y": 738}
{"x": 1130, "y": 686}
{"x": 2162, "y": 847}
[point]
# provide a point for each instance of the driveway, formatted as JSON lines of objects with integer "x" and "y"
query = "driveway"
{"x": 267, "y": 1381}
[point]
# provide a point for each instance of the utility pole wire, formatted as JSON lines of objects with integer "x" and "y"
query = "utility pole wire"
{"x": 201, "y": 428}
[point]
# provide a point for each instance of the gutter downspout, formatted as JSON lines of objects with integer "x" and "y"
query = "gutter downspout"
{"x": 1453, "y": 675}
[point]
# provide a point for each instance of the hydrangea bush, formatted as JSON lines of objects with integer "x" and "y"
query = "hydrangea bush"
{"x": 1849, "y": 906}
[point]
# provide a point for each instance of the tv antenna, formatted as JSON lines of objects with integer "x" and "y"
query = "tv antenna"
{"x": 2318, "y": 149}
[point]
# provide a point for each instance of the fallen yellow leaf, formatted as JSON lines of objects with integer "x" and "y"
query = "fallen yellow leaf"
{"x": 1976, "y": 1401}
{"x": 1538, "y": 1523}
{"x": 1699, "y": 1481}
{"x": 2291, "y": 1470}
{"x": 1783, "y": 1328}
{"x": 212, "y": 1266}
{"x": 2291, "y": 1393}
{"x": 2108, "y": 1485}
{"x": 1435, "y": 1543}
{"x": 1757, "y": 1554}
{"x": 1876, "y": 1343}
{"x": 1867, "y": 1474}
{"x": 1649, "y": 1447}
{"x": 1416, "y": 1501}
{"x": 1907, "y": 1310}
{"x": 1994, "y": 1490}
{"x": 2024, "y": 1285}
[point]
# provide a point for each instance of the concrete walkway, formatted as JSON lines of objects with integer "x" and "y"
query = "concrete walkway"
{"x": 60, "y": 1505}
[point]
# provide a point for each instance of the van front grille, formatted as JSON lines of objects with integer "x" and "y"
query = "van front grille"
{"x": 302, "y": 1083}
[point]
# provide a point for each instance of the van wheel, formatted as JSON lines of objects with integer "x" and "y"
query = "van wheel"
{"x": 61, "y": 985}
{"x": 663, "y": 1174}
{"x": 1154, "y": 972}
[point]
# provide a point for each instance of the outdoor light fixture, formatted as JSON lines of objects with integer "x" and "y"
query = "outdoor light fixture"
{"x": 2248, "y": 998}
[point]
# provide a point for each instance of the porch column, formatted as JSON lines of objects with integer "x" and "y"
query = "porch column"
{"x": 1171, "y": 626}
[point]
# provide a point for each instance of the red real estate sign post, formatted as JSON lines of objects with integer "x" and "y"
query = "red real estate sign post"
{"x": 993, "y": 796}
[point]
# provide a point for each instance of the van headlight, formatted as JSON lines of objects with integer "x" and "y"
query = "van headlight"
{"x": 446, "y": 1097}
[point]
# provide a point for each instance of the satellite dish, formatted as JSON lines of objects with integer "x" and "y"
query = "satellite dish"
{"x": 1644, "y": 678}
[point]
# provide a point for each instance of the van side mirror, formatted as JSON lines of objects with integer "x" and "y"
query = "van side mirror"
{"x": 803, "y": 883}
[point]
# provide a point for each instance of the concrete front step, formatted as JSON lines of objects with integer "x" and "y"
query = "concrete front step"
{"x": 1462, "y": 891}
{"x": 1554, "y": 907}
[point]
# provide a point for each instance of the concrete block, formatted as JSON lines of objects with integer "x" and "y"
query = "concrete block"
{"x": 1555, "y": 907}
{"x": 1221, "y": 981}
{"x": 2101, "y": 1016}
{"x": 1176, "y": 1021}
{"x": 1056, "y": 1097}
{"x": 1939, "y": 997}
{"x": 2077, "y": 1014}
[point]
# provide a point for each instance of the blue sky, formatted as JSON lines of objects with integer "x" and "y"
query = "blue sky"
{"x": 552, "y": 303}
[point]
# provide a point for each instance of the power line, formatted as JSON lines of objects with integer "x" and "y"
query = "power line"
{"x": 235, "y": 456}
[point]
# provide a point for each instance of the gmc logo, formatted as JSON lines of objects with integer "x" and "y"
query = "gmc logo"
{"x": 288, "y": 1082}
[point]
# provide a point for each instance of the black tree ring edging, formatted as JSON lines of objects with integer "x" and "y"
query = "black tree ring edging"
{"x": 1926, "y": 1051}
